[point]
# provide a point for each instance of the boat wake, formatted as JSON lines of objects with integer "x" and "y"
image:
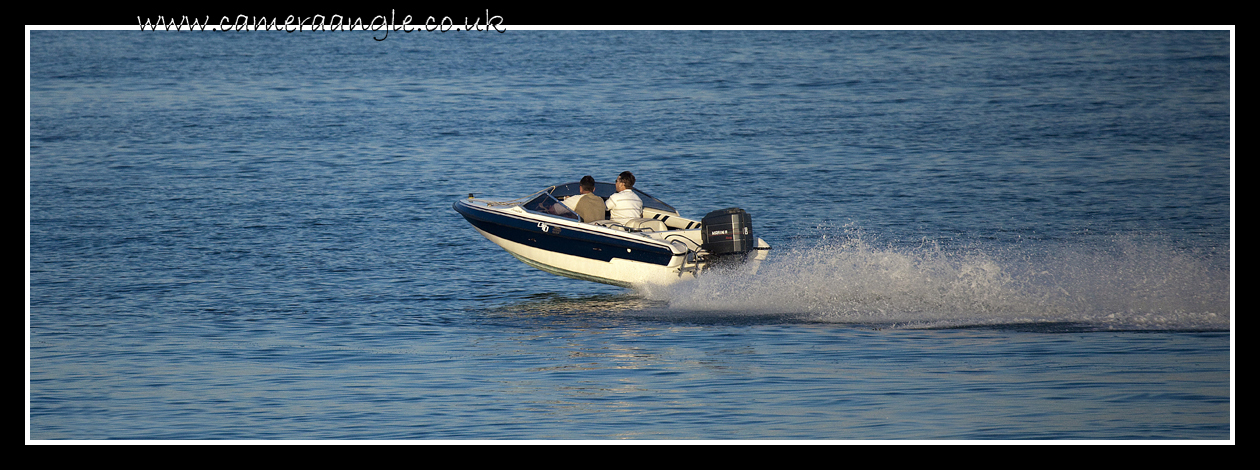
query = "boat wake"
{"x": 1125, "y": 284}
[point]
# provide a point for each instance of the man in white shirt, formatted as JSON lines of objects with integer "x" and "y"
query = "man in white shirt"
{"x": 624, "y": 204}
{"x": 587, "y": 204}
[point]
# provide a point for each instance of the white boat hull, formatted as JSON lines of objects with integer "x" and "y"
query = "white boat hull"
{"x": 610, "y": 254}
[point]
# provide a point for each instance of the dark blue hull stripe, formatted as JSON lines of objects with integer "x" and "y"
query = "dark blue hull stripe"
{"x": 563, "y": 239}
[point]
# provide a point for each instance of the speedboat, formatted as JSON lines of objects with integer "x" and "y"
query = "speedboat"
{"x": 659, "y": 248}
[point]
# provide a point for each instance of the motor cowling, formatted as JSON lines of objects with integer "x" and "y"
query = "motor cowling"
{"x": 727, "y": 232}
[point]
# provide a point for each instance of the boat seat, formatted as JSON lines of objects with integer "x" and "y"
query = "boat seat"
{"x": 643, "y": 223}
{"x": 609, "y": 224}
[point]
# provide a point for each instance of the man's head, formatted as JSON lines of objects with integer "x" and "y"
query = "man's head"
{"x": 587, "y": 184}
{"x": 625, "y": 178}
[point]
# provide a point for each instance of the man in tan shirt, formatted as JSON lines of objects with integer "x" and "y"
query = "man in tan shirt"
{"x": 587, "y": 205}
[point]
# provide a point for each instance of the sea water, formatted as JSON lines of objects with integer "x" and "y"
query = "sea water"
{"x": 977, "y": 235}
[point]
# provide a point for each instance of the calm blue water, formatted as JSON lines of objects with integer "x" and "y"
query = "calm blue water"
{"x": 977, "y": 235}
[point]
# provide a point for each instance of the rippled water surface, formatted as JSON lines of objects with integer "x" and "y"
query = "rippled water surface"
{"x": 977, "y": 235}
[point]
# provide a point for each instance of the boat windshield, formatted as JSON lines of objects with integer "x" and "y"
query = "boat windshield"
{"x": 546, "y": 204}
{"x": 604, "y": 190}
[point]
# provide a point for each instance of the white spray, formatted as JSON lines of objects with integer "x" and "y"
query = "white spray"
{"x": 1124, "y": 284}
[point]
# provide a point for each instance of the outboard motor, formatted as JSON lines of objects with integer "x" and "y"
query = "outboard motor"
{"x": 727, "y": 232}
